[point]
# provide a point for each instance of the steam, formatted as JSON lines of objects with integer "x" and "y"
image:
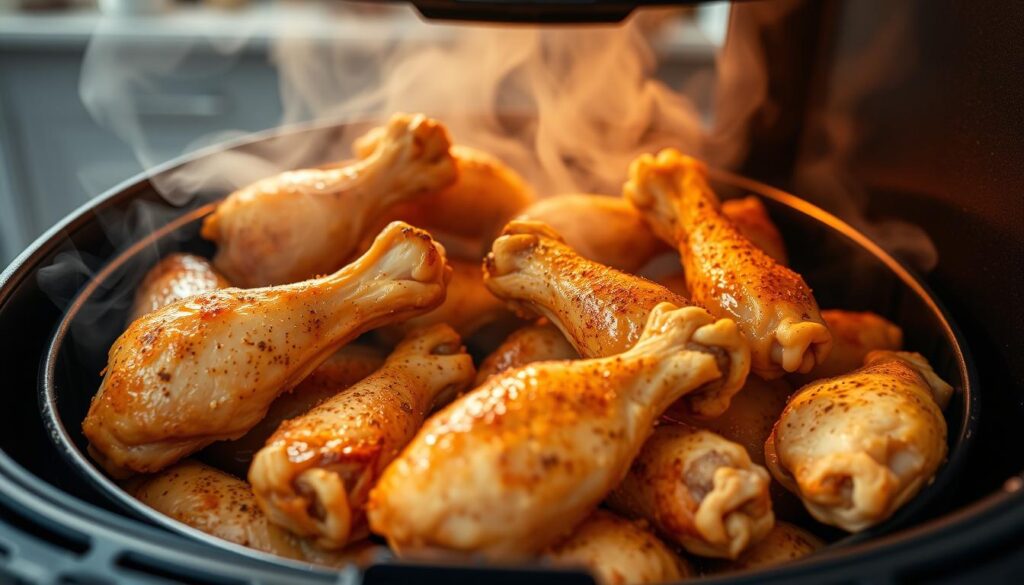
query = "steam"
{"x": 823, "y": 173}
{"x": 568, "y": 108}
{"x": 101, "y": 319}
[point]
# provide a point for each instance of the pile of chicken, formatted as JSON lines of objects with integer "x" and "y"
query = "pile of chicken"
{"x": 614, "y": 422}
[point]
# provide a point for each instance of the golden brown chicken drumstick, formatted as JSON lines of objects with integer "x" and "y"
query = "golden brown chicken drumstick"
{"x": 619, "y": 552}
{"x": 468, "y": 306}
{"x": 223, "y": 506}
{"x": 784, "y": 544}
{"x": 854, "y": 336}
{"x": 750, "y": 418}
{"x": 513, "y": 465}
{"x": 345, "y": 367}
{"x": 604, "y": 229}
{"x": 485, "y": 195}
{"x": 301, "y": 224}
{"x": 751, "y": 219}
{"x": 314, "y": 475}
{"x": 600, "y": 310}
{"x": 857, "y": 447}
{"x": 176, "y": 277}
{"x": 533, "y": 343}
{"x": 698, "y": 489}
{"x": 724, "y": 271}
{"x": 207, "y": 368}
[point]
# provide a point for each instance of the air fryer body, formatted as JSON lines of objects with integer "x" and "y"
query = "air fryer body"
{"x": 904, "y": 110}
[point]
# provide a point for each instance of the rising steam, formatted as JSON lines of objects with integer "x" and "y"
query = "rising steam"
{"x": 569, "y": 108}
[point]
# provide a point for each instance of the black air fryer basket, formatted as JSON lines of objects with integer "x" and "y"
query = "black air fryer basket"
{"x": 61, "y": 518}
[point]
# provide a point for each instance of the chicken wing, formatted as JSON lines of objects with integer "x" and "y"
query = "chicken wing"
{"x": 315, "y": 472}
{"x": 301, "y": 224}
{"x": 468, "y": 306}
{"x": 513, "y": 465}
{"x": 223, "y": 506}
{"x": 534, "y": 343}
{"x": 784, "y": 544}
{"x": 485, "y": 195}
{"x": 854, "y": 335}
{"x": 604, "y": 229}
{"x": 857, "y": 447}
{"x": 724, "y": 271}
{"x": 207, "y": 368}
{"x": 345, "y": 367}
{"x": 600, "y": 310}
{"x": 751, "y": 219}
{"x": 698, "y": 489}
{"x": 619, "y": 552}
{"x": 176, "y": 277}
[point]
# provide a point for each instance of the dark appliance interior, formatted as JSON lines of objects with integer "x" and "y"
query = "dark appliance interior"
{"x": 940, "y": 146}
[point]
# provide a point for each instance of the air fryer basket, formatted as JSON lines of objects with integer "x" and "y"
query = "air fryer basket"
{"x": 845, "y": 269}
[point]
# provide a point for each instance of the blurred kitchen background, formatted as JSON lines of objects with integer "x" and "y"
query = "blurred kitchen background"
{"x": 55, "y": 153}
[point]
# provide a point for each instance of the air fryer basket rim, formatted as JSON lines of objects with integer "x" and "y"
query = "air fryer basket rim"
{"x": 31, "y": 257}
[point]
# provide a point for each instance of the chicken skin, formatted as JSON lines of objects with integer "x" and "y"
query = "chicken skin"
{"x": 534, "y": 343}
{"x": 207, "y": 368}
{"x": 751, "y": 219}
{"x": 223, "y": 506}
{"x": 725, "y": 272}
{"x": 305, "y": 223}
{"x": 604, "y": 229}
{"x": 468, "y": 306}
{"x": 750, "y": 418}
{"x": 315, "y": 472}
{"x": 345, "y": 367}
{"x": 699, "y": 490}
{"x": 600, "y": 310}
{"x": 515, "y": 464}
{"x": 485, "y": 195}
{"x": 619, "y": 552}
{"x": 857, "y": 447}
{"x": 784, "y": 544}
{"x": 176, "y": 277}
{"x": 854, "y": 335}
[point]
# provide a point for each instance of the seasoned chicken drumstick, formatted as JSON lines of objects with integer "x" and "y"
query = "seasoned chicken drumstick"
{"x": 725, "y": 272}
{"x": 485, "y": 194}
{"x": 302, "y": 224}
{"x": 600, "y": 310}
{"x": 857, "y": 447}
{"x": 750, "y": 418}
{"x": 604, "y": 229}
{"x": 533, "y": 343}
{"x": 345, "y": 367}
{"x": 513, "y": 465}
{"x": 176, "y": 277}
{"x": 854, "y": 335}
{"x": 698, "y": 489}
{"x": 468, "y": 306}
{"x": 784, "y": 544}
{"x": 315, "y": 472}
{"x": 619, "y": 552}
{"x": 751, "y": 219}
{"x": 206, "y": 369}
{"x": 223, "y": 506}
